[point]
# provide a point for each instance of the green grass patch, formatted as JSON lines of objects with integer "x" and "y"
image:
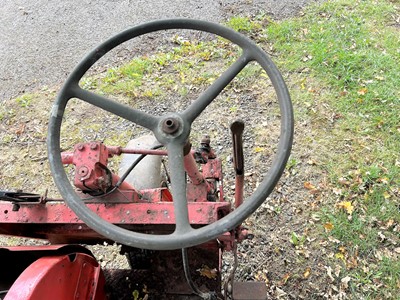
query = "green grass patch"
{"x": 349, "y": 56}
{"x": 243, "y": 24}
{"x": 25, "y": 100}
{"x": 173, "y": 69}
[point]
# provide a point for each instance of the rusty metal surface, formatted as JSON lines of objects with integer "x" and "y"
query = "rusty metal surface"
{"x": 250, "y": 290}
{"x": 192, "y": 170}
{"x": 117, "y": 150}
{"x": 170, "y": 125}
{"x": 239, "y": 190}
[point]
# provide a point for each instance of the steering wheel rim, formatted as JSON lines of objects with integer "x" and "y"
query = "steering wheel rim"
{"x": 184, "y": 236}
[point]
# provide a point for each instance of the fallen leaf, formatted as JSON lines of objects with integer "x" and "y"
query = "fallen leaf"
{"x": 280, "y": 293}
{"x": 344, "y": 181}
{"x": 329, "y": 272}
{"x": 20, "y": 129}
{"x": 337, "y": 191}
{"x": 362, "y": 91}
{"x": 347, "y": 206}
{"x": 258, "y": 149}
{"x": 135, "y": 294}
{"x": 307, "y": 273}
{"x": 338, "y": 269}
{"x": 309, "y": 186}
{"x": 378, "y": 255}
{"x": 328, "y": 226}
{"x": 333, "y": 240}
{"x": 389, "y": 224}
{"x": 386, "y": 195}
{"x": 303, "y": 252}
{"x": 383, "y": 180}
{"x": 312, "y": 162}
{"x": 315, "y": 217}
{"x": 345, "y": 281}
{"x": 285, "y": 278}
{"x": 339, "y": 256}
{"x": 206, "y": 271}
{"x": 262, "y": 276}
{"x": 381, "y": 236}
{"x": 352, "y": 262}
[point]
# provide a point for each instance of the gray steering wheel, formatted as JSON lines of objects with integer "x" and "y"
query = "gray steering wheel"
{"x": 172, "y": 130}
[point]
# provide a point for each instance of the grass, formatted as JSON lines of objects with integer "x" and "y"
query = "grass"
{"x": 350, "y": 50}
{"x": 242, "y": 24}
{"x": 25, "y": 100}
{"x": 345, "y": 57}
{"x": 184, "y": 64}
{"x": 341, "y": 60}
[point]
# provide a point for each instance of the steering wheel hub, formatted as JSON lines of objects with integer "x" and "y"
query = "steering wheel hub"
{"x": 170, "y": 125}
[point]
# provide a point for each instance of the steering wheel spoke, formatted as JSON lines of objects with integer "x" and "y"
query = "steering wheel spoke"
{"x": 195, "y": 109}
{"x": 124, "y": 111}
{"x": 178, "y": 187}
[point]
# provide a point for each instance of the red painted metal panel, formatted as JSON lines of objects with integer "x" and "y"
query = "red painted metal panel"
{"x": 200, "y": 213}
{"x": 65, "y": 277}
{"x": 90, "y": 160}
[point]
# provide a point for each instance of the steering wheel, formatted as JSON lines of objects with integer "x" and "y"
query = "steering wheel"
{"x": 172, "y": 130}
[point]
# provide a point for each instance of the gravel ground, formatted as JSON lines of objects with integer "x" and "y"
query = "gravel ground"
{"x": 41, "y": 41}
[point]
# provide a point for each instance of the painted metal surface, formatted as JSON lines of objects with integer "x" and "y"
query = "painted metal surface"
{"x": 91, "y": 172}
{"x": 131, "y": 209}
{"x": 65, "y": 277}
{"x": 15, "y": 260}
{"x": 57, "y": 223}
{"x": 200, "y": 213}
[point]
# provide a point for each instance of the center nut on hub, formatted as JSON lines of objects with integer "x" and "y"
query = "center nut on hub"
{"x": 170, "y": 125}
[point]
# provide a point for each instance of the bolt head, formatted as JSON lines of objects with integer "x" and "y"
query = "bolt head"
{"x": 83, "y": 171}
{"x": 170, "y": 125}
